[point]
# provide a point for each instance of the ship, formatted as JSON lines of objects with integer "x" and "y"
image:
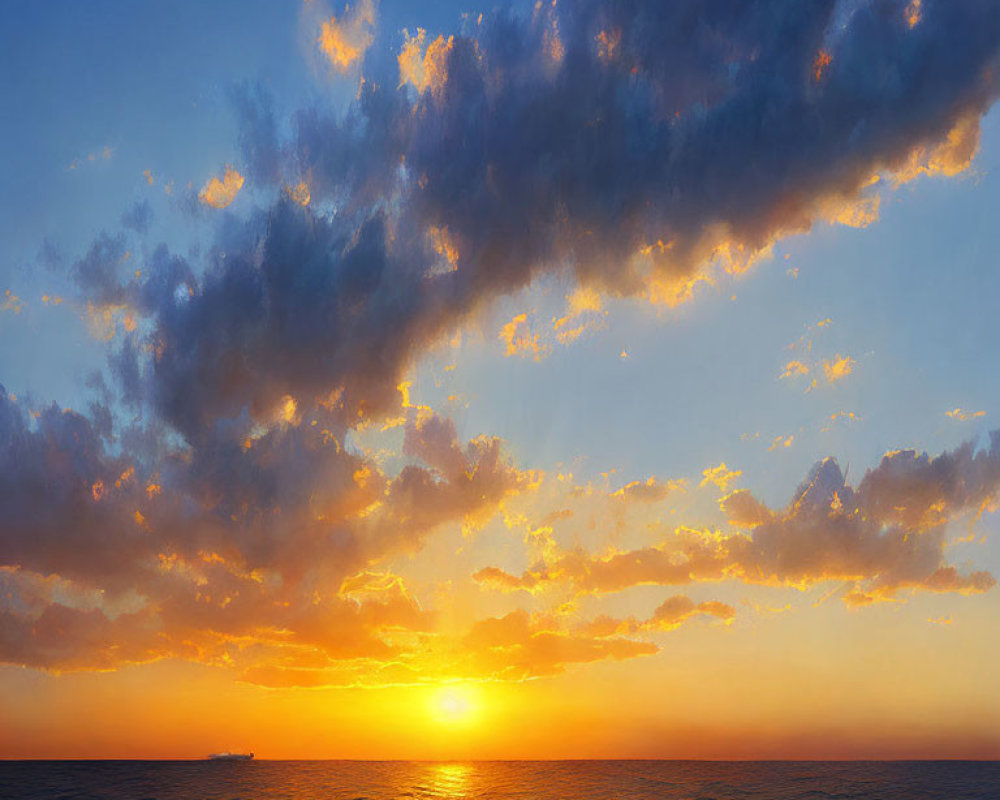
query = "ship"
{"x": 231, "y": 757}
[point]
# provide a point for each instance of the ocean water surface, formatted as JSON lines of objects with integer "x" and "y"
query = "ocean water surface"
{"x": 501, "y": 780}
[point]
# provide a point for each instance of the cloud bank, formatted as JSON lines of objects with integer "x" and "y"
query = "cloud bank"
{"x": 880, "y": 539}
{"x": 638, "y": 148}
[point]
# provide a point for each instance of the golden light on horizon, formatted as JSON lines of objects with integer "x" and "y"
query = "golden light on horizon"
{"x": 312, "y": 438}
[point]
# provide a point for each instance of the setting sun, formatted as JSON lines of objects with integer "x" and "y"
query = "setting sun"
{"x": 455, "y": 705}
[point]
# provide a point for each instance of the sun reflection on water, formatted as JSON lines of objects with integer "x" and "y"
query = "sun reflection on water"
{"x": 450, "y": 780}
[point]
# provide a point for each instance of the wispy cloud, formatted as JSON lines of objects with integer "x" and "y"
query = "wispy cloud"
{"x": 964, "y": 416}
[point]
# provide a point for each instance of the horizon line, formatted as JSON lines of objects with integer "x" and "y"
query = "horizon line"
{"x": 940, "y": 759}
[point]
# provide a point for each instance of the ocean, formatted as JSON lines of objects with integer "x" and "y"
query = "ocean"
{"x": 499, "y": 780}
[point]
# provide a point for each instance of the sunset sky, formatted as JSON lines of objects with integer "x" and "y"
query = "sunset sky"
{"x": 573, "y": 379}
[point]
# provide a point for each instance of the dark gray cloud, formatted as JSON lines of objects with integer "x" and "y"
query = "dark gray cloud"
{"x": 572, "y": 139}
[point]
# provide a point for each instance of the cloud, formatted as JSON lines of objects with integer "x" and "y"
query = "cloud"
{"x": 721, "y": 476}
{"x": 583, "y": 313}
{"x": 221, "y": 193}
{"x": 793, "y": 368}
{"x": 846, "y": 416}
{"x": 833, "y": 532}
{"x": 744, "y": 510}
{"x": 423, "y": 64}
{"x": 668, "y": 616}
{"x": 103, "y": 154}
{"x": 948, "y": 157}
{"x": 520, "y": 341}
{"x": 883, "y": 537}
{"x": 344, "y": 41}
{"x": 476, "y": 478}
{"x": 61, "y": 504}
{"x": 652, "y": 566}
{"x": 517, "y": 646}
{"x": 649, "y": 491}
{"x": 838, "y": 368}
{"x": 227, "y": 541}
{"x": 833, "y": 369}
{"x": 11, "y": 302}
{"x": 964, "y": 416}
{"x": 781, "y": 441}
{"x": 63, "y": 638}
{"x": 627, "y": 166}
{"x": 676, "y": 610}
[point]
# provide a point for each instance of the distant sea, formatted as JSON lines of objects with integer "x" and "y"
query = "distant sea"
{"x": 500, "y": 780}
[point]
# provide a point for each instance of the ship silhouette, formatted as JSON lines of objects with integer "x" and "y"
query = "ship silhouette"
{"x": 231, "y": 757}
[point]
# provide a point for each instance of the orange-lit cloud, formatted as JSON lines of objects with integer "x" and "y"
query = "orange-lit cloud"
{"x": 223, "y": 557}
{"x": 518, "y": 646}
{"x": 521, "y": 341}
{"x": 743, "y": 510}
{"x": 947, "y": 157}
{"x": 583, "y": 313}
{"x": 846, "y": 416}
{"x": 794, "y": 368}
{"x": 961, "y": 414}
{"x": 11, "y": 302}
{"x": 883, "y": 538}
{"x": 781, "y": 441}
{"x": 607, "y": 44}
{"x": 649, "y": 491}
{"x": 832, "y": 369}
{"x": 344, "y": 40}
{"x": 424, "y": 64}
{"x": 838, "y": 368}
{"x": 445, "y": 247}
{"x": 104, "y": 154}
{"x": 652, "y": 566}
{"x": 300, "y": 193}
{"x": 854, "y": 211}
{"x": 103, "y": 321}
{"x": 822, "y": 61}
{"x": 221, "y": 193}
{"x": 668, "y": 616}
{"x": 721, "y": 476}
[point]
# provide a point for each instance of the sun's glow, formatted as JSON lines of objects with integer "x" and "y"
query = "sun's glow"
{"x": 455, "y": 705}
